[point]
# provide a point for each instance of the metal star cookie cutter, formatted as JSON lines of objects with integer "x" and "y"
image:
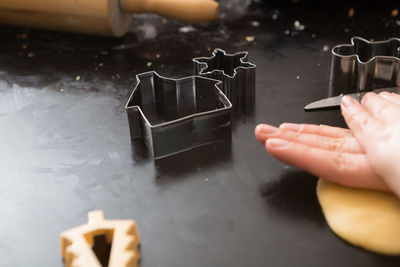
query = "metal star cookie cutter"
{"x": 238, "y": 76}
{"x": 364, "y": 65}
{"x": 176, "y": 115}
{"x": 101, "y": 242}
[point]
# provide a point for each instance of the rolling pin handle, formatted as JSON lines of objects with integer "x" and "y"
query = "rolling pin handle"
{"x": 184, "y": 10}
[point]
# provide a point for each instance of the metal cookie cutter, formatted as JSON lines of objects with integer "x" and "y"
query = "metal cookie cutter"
{"x": 175, "y": 115}
{"x": 237, "y": 75}
{"x": 364, "y": 65}
{"x": 101, "y": 242}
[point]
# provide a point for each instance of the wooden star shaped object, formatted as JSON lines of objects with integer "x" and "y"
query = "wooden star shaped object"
{"x": 101, "y": 242}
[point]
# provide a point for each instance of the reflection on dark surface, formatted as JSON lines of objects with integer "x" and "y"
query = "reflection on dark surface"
{"x": 294, "y": 195}
{"x": 139, "y": 150}
{"x": 186, "y": 162}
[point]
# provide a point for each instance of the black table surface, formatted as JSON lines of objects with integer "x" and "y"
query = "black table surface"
{"x": 65, "y": 147}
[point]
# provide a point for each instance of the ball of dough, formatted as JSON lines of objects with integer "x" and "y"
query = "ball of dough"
{"x": 366, "y": 218}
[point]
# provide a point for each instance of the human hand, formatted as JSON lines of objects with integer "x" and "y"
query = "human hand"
{"x": 375, "y": 123}
{"x": 329, "y": 152}
{"x": 364, "y": 156}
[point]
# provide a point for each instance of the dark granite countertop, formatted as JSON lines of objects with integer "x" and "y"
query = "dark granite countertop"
{"x": 65, "y": 147}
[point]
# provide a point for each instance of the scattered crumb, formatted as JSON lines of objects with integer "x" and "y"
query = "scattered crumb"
{"x": 274, "y": 16}
{"x": 104, "y": 53}
{"x": 398, "y": 22}
{"x": 313, "y": 35}
{"x": 77, "y": 78}
{"x": 61, "y": 89}
{"x": 395, "y": 12}
{"x": 21, "y": 36}
{"x": 371, "y": 40}
{"x": 30, "y": 54}
{"x": 208, "y": 48}
{"x": 158, "y": 56}
{"x": 187, "y": 29}
{"x": 346, "y": 30}
{"x": 255, "y": 23}
{"x": 250, "y": 38}
{"x": 350, "y": 13}
{"x": 149, "y": 64}
{"x": 118, "y": 76}
{"x": 298, "y": 77}
{"x": 325, "y": 48}
{"x": 287, "y": 32}
{"x": 164, "y": 21}
{"x": 24, "y": 46}
{"x": 298, "y": 26}
{"x": 96, "y": 68}
{"x": 101, "y": 64}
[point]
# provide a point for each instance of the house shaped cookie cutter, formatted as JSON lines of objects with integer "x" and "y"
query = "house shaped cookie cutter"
{"x": 364, "y": 65}
{"x": 176, "y": 115}
{"x": 77, "y": 244}
{"x": 238, "y": 76}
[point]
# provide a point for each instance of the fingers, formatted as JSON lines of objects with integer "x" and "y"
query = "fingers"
{"x": 360, "y": 121}
{"x": 392, "y": 97}
{"x": 344, "y": 168}
{"x": 380, "y": 106}
{"x": 345, "y": 143}
{"x": 262, "y": 132}
{"x": 324, "y": 130}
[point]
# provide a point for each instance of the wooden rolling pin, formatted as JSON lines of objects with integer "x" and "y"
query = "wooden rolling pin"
{"x": 99, "y": 17}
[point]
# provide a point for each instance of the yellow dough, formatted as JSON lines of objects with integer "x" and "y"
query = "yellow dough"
{"x": 366, "y": 218}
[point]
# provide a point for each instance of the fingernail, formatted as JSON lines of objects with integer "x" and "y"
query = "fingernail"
{"x": 266, "y": 130}
{"x": 291, "y": 126}
{"x": 347, "y": 103}
{"x": 386, "y": 95}
{"x": 278, "y": 143}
